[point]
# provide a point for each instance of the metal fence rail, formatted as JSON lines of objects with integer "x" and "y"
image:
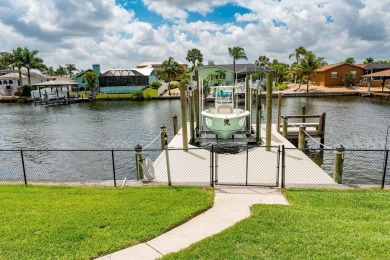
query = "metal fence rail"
{"x": 214, "y": 165}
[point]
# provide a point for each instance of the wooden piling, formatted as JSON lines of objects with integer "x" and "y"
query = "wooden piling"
{"x": 280, "y": 96}
{"x": 175, "y": 125}
{"x": 163, "y": 132}
{"x": 192, "y": 123}
{"x": 247, "y": 97}
{"x": 338, "y": 164}
{"x": 258, "y": 115}
{"x": 301, "y": 137}
{"x": 322, "y": 130}
{"x": 285, "y": 127}
{"x": 269, "y": 112}
{"x": 303, "y": 113}
{"x": 183, "y": 116}
{"x": 138, "y": 160}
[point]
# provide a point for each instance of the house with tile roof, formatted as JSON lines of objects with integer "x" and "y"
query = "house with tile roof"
{"x": 332, "y": 75}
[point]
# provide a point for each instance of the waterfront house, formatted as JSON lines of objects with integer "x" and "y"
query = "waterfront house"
{"x": 332, "y": 75}
{"x": 126, "y": 80}
{"x": 224, "y": 73}
{"x": 157, "y": 66}
{"x": 10, "y": 82}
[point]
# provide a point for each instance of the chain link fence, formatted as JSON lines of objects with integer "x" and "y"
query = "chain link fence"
{"x": 205, "y": 166}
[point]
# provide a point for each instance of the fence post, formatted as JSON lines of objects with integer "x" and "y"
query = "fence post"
{"x": 284, "y": 127}
{"x": 212, "y": 166}
{"x": 283, "y": 177}
{"x": 385, "y": 169}
{"x": 24, "y": 168}
{"x": 138, "y": 159}
{"x": 301, "y": 137}
{"x": 175, "y": 125}
{"x": 163, "y": 133}
{"x": 113, "y": 166}
{"x": 338, "y": 164}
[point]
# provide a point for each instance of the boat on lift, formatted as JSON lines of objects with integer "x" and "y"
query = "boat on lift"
{"x": 224, "y": 119}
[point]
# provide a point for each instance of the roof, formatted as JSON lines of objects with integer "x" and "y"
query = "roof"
{"x": 332, "y": 66}
{"x": 53, "y": 83}
{"x": 12, "y": 75}
{"x": 150, "y": 63}
{"x": 377, "y": 66}
{"x": 240, "y": 68}
{"x": 129, "y": 72}
{"x": 81, "y": 73}
{"x": 383, "y": 73}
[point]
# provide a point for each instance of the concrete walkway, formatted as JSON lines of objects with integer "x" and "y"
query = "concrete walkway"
{"x": 231, "y": 204}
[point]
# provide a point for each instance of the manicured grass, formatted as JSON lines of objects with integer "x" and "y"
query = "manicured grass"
{"x": 147, "y": 93}
{"x": 319, "y": 224}
{"x": 83, "y": 223}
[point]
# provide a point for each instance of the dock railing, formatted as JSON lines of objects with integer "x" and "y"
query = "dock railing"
{"x": 288, "y": 125}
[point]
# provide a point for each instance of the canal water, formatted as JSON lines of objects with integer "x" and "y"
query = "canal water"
{"x": 354, "y": 122}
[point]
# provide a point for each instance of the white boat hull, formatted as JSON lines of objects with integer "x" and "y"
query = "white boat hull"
{"x": 226, "y": 125}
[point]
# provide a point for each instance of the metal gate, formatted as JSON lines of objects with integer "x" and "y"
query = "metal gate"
{"x": 245, "y": 165}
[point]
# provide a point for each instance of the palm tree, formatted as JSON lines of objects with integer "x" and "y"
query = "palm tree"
{"x": 170, "y": 70}
{"x": 262, "y": 61}
{"x": 368, "y": 60}
{"x": 70, "y": 68}
{"x": 350, "y": 60}
{"x": 237, "y": 53}
{"x": 297, "y": 54}
{"x": 60, "y": 71}
{"x": 6, "y": 59}
{"x": 309, "y": 64}
{"x": 30, "y": 61}
{"x": 17, "y": 61}
{"x": 194, "y": 55}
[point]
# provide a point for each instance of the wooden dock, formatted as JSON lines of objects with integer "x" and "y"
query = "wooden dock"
{"x": 194, "y": 166}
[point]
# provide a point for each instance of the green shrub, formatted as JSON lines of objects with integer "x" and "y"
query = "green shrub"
{"x": 25, "y": 91}
{"x": 174, "y": 84}
{"x": 21, "y": 100}
{"x": 138, "y": 95}
{"x": 281, "y": 86}
{"x": 155, "y": 85}
{"x": 348, "y": 79}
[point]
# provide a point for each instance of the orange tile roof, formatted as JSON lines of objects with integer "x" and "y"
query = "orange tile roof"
{"x": 332, "y": 66}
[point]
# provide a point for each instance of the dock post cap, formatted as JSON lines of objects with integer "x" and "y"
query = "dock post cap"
{"x": 138, "y": 147}
{"x": 340, "y": 148}
{"x": 302, "y": 126}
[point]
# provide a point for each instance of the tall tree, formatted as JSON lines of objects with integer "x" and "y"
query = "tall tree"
{"x": 194, "y": 55}
{"x": 60, "y": 71}
{"x": 6, "y": 59}
{"x": 368, "y": 60}
{"x": 91, "y": 80}
{"x": 17, "y": 61}
{"x": 262, "y": 61}
{"x": 350, "y": 60}
{"x": 309, "y": 64}
{"x": 70, "y": 68}
{"x": 30, "y": 61}
{"x": 237, "y": 53}
{"x": 300, "y": 51}
{"x": 170, "y": 70}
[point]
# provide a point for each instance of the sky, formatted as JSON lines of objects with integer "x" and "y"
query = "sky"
{"x": 121, "y": 34}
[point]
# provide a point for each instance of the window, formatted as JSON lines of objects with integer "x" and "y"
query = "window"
{"x": 354, "y": 74}
{"x": 10, "y": 81}
{"x": 333, "y": 74}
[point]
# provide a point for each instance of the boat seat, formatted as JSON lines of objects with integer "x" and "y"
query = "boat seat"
{"x": 224, "y": 109}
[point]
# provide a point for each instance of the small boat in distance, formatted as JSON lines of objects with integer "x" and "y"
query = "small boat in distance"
{"x": 224, "y": 119}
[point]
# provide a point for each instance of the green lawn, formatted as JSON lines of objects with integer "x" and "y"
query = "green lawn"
{"x": 81, "y": 223}
{"x": 147, "y": 93}
{"x": 319, "y": 224}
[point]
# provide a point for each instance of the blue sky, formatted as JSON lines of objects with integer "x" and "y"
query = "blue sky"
{"x": 124, "y": 33}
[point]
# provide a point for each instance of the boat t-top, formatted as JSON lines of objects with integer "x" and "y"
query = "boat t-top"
{"x": 224, "y": 119}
